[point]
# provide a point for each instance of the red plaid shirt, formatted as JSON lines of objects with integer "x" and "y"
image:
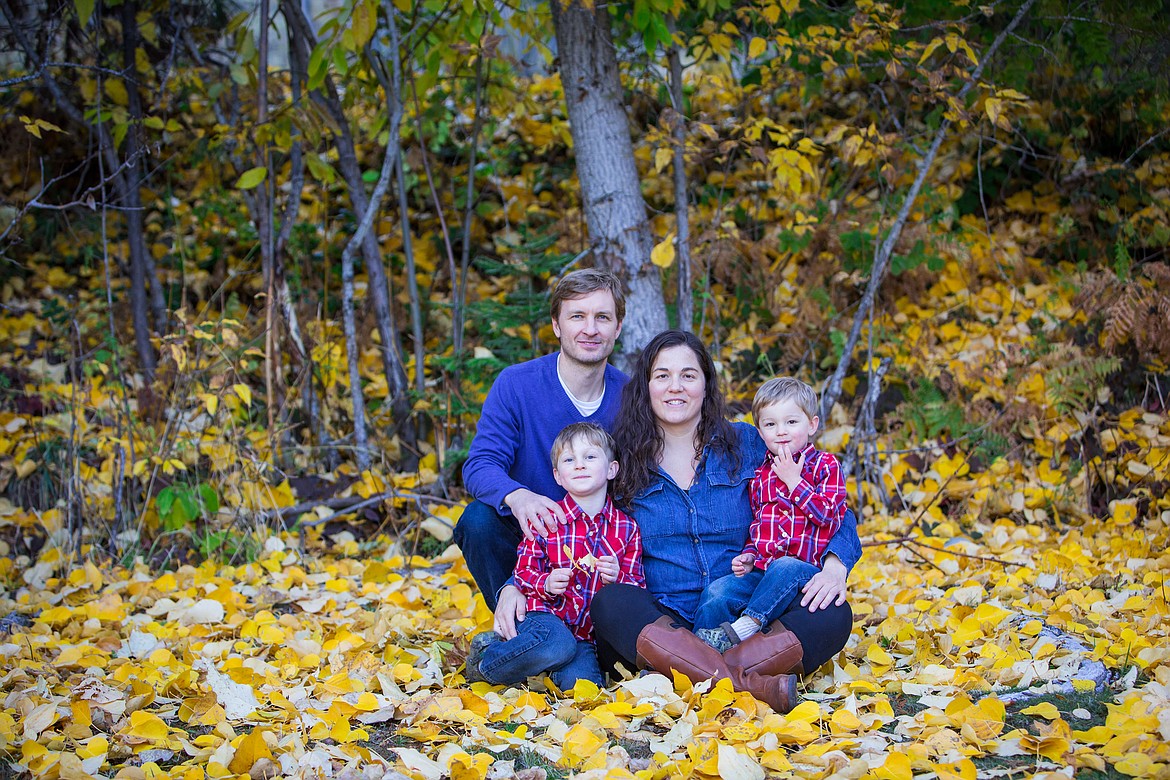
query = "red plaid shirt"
{"x": 799, "y": 523}
{"x": 610, "y": 532}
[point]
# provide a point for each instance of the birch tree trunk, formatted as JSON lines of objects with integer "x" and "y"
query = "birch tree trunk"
{"x": 611, "y": 192}
{"x": 263, "y": 217}
{"x": 678, "y": 134}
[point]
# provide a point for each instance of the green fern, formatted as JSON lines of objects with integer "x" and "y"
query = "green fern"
{"x": 929, "y": 413}
{"x": 1073, "y": 385}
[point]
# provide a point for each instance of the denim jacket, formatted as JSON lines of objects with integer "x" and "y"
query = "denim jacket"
{"x": 690, "y": 536}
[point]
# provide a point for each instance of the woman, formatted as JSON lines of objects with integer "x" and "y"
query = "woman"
{"x": 685, "y": 471}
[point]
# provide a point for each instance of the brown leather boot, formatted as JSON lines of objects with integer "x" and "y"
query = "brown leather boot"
{"x": 773, "y": 650}
{"x": 663, "y": 646}
{"x": 778, "y": 691}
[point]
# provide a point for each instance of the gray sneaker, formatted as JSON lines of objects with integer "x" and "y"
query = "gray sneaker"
{"x": 716, "y": 638}
{"x": 479, "y": 646}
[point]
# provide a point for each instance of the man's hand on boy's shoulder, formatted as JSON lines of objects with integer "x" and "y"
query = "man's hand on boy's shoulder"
{"x": 537, "y": 515}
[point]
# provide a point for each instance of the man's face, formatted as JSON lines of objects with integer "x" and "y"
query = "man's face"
{"x": 588, "y": 327}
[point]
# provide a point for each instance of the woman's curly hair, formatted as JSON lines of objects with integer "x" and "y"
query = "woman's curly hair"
{"x": 639, "y": 439}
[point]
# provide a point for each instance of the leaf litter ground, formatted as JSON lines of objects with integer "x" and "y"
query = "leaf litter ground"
{"x": 347, "y": 662}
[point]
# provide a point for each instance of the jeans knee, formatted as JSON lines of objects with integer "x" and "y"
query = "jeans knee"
{"x": 731, "y": 588}
{"x": 791, "y": 568}
{"x": 478, "y": 521}
{"x": 583, "y": 666}
{"x": 550, "y": 639}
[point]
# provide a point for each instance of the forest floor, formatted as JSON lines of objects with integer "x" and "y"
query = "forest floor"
{"x": 346, "y": 661}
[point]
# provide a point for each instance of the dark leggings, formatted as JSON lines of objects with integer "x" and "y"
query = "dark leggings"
{"x": 620, "y": 612}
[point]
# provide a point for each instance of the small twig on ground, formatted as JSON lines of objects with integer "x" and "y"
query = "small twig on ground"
{"x": 353, "y": 504}
{"x": 348, "y": 505}
{"x": 923, "y": 558}
{"x": 912, "y": 540}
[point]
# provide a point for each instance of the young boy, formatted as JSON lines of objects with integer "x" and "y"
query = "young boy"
{"x": 798, "y": 500}
{"x": 560, "y": 574}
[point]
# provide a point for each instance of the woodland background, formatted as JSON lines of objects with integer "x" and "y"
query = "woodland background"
{"x": 261, "y": 265}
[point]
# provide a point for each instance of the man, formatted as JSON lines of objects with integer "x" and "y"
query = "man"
{"x": 507, "y": 470}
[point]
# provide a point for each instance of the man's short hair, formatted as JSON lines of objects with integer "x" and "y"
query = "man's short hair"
{"x": 591, "y": 433}
{"x": 578, "y": 284}
{"x": 786, "y": 388}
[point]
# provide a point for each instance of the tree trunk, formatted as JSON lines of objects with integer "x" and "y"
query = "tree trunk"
{"x": 353, "y": 360}
{"x": 127, "y": 187}
{"x": 611, "y": 193}
{"x": 416, "y": 320}
{"x": 265, "y": 195}
{"x": 678, "y": 133}
{"x": 141, "y": 263}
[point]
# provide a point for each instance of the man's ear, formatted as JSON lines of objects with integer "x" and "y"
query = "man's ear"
{"x": 556, "y": 328}
{"x": 613, "y": 470}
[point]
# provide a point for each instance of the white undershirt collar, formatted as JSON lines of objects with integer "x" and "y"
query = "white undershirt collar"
{"x": 585, "y": 408}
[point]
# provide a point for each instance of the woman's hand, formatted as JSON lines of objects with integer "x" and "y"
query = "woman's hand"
{"x": 607, "y": 568}
{"x": 827, "y": 586}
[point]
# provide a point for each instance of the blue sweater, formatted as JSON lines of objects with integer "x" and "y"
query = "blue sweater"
{"x": 524, "y": 411}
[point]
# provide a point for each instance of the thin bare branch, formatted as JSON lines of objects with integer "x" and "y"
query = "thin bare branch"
{"x": 885, "y": 250}
{"x": 1147, "y": 142}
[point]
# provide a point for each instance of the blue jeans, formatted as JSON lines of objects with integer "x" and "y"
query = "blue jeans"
{"x": 761, "y": 595}
{"x": 543, "y": 643}
{"x": 488, "y": 541}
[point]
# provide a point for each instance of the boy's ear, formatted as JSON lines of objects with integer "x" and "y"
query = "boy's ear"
{"x": 557, "y": 477}
{"x": 813, "y": 424}
{"x": 613, "y": 470}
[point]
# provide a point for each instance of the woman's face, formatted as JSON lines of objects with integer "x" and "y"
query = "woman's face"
{"x": 677, "y": 388}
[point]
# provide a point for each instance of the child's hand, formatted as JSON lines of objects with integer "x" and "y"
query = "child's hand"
{"x": 786, "y": 468}
{"x": 607, "y": 568}
{"x": 558, "y": 581}
{"x": 742, "y": 564}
